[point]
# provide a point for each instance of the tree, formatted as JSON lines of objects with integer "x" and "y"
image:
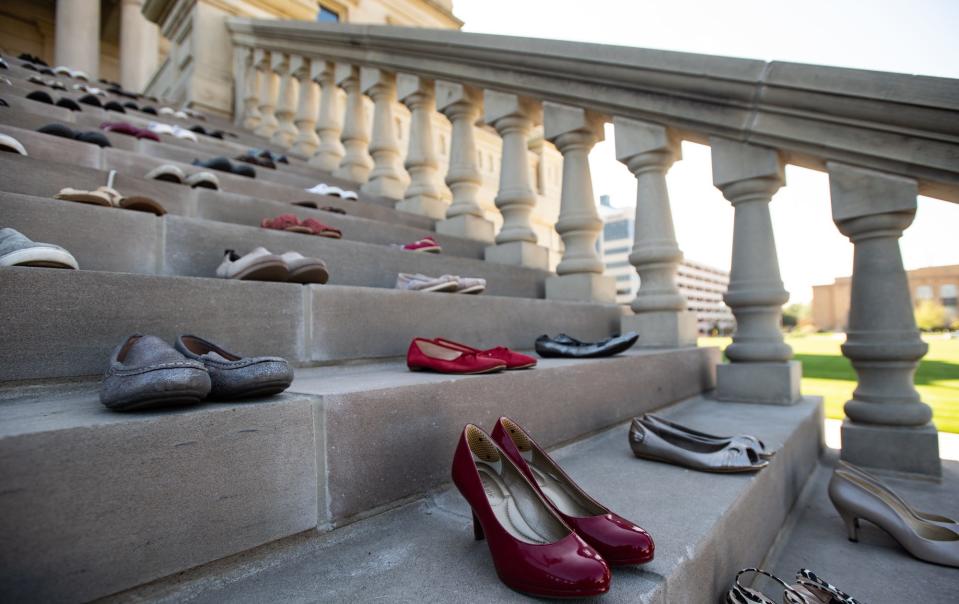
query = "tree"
{"x": 931, "y": 315}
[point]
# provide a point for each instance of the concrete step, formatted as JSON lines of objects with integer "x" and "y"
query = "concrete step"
{"x": 97, "y": 502}
{"x": 66, "y": 323}
{"x": 194, "y": 247}
{"x": 706, "y": 527}
{"x": 58, "y": 163}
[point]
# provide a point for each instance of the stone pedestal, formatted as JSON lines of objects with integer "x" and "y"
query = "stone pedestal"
{"x": 424, "y": 206}
{"x": 582, "y": 287}
{"x": 78, "y": 35}
{"x": 662, "y": 329}
{"x": 766, "y": 383}
{"x": 467, "y": 226}
{"x": 913, "y": 450}
{"x": 138, "y": 46}
{"x": 519, "y": 253}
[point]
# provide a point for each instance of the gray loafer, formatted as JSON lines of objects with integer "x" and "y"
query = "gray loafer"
{"x": 146, "y": 373}
{"x": 234, "y": 376}
{"x": 648, "y": 441}
{"x": 744, "y": 440}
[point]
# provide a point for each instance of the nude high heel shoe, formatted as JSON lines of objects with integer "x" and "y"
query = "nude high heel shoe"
{"x": 927, "y": 516}
{"x": 857, "y": 498}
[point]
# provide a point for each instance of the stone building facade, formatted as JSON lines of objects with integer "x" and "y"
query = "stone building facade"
{"x": 830, "y": 302}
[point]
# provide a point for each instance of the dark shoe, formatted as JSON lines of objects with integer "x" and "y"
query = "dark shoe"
{"x": 40, "y": 96}
{"x": 234, "y": 376}
{"x": 565, "y": 346}
{"x": 617, "y": 540}
{"x": 146, "y": 373}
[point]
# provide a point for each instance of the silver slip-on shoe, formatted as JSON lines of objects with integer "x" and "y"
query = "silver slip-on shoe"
{"x": 743, "y": 440}
{"x": 233, "y": 376}
{"x": 857, "y": 498}
{"x": 16, "y": 249}
{"x": 146, "y": 373}
{"x": 648, "y": 441}
{"x": 421, "y": 283}
{"x": 467, "y": 285}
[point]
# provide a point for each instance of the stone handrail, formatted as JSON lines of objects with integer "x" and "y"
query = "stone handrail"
{"x": 892, "y": 122}
{"x": 883, "y": 138}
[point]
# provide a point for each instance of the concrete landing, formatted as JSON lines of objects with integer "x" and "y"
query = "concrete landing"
{"x": 706, "y": 526}
{"x": 875, "y": 569}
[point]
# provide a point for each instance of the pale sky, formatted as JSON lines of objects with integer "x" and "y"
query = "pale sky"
{"x": 919, "y": 36}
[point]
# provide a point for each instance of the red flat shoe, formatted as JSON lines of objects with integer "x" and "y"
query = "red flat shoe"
{"x": 533, "y": 550}
{"x": 286, "y": 222}
{"x": 618, "y": 540}
{"x": 513, "y": 360}
{"x": 425, "y": 355}
{"x": 426, "y": 244}
{"x": 318, "y": 228}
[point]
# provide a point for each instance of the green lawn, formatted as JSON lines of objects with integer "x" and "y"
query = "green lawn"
{"x": 827, "y": 373}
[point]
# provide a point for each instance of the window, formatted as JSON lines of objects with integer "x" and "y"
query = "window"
{"x": 616, "y": 229}
{"x": 618, "y": 250}
{"x": 326, "y": 15}
{"x": 924, "y": 292}
{"x": 947, "y": 294}
{"x": 617, "y": 264}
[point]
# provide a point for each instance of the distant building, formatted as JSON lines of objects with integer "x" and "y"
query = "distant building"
{"x": 702, "y": 284}
{"x": 830, "y": 303}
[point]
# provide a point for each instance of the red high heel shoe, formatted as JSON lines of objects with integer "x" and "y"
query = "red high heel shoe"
{"x": 424, "y": 355}
{"x": 533, "y": 550}
{"x": 618, "y": 540}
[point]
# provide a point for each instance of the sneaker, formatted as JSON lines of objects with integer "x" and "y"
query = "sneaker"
{"x": 325, "y": 189}
{"x": 16, "y": 249}
{"x": 419, "y": 282}
{"x": 426, "y": 244}
{"x": 258, "y": 265}
{"x": 467, "y": 285}
{"x": 305, "y": 270}
{"x": 8, "y": 143}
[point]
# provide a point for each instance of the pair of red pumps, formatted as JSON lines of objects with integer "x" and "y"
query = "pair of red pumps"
{"x": 447, "y": 356}
{"x": 547, "y": 537}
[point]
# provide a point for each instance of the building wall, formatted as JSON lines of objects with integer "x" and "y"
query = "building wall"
{"x": 830, "y": 303}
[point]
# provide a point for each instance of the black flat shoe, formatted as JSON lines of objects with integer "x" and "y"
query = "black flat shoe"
{"x": 564, "y": 346}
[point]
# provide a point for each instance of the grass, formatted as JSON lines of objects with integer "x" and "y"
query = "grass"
{"x": 827, "y": 373}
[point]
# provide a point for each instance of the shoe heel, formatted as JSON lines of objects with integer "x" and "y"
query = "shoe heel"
{"x": 477, "y": 529}
{"x": 852, "y": 526}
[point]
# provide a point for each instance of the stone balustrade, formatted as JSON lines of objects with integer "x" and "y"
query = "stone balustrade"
{"x": 883, "y": 139}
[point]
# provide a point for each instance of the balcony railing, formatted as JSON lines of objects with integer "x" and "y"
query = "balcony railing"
{"x": 883, "y": 138}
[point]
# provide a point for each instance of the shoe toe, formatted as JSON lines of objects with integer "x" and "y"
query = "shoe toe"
{"x": 618, "y": 540}
{"x": 252, "y": 377}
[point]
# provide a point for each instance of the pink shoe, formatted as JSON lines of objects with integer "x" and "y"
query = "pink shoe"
{"x": 426, "y": 244}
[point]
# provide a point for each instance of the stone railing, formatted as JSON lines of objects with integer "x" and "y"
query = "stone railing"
{"x": 883, "y": 139}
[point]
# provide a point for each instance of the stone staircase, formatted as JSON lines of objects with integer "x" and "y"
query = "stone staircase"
{"x": 346, "y": 474}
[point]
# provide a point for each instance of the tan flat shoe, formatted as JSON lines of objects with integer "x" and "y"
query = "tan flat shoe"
{"x": 97, "y": 198}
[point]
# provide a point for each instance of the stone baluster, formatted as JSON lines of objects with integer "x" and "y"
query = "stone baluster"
{"x": 306, "y": 140}
{"x": 579, "y": 276}
{"x": 248, "y": 114}
{"x": 330, "y": 151}
{"x": 423, "y": 194}
{"x": 269, "y": 89}
{"x": 513, "y": 116}
{"x": 887, "y": 424}
{"x": 660, "y": 311}
{"x": 385, "y": 179}
{"x": 285, "y": 131}
{"x": 356, "y": 163}
{"x": 760, "y": 369}
{"x": 464, "y": 217}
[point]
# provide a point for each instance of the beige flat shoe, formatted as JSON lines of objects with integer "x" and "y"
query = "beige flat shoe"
{"x": 97, "y": 198}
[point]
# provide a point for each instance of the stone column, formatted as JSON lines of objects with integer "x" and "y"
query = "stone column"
{"x": 285, "y": 132}
{"x": 760, "y": 369}
{"x": 306, "y": 141}
{"x": 661, "y": 315}
{"x": 464, "y": 217}
{"x": 357, "y": 163}
{"x": 385, "y": 179}
{"x": 329, "y": 152}
{"x": 513, "y": 117}
{"x": 579, "y": 276}
{"x": 78, "y": 35}
{"x": 139, "y": 46}
{"x": 423, "y": 194}
{"x": 269, "y": 89}
{"x": 251, "y": 89}
{"x": 887, "y": 425}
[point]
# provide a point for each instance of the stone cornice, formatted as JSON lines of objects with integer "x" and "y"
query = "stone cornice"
{"x": 899, "y": 123}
